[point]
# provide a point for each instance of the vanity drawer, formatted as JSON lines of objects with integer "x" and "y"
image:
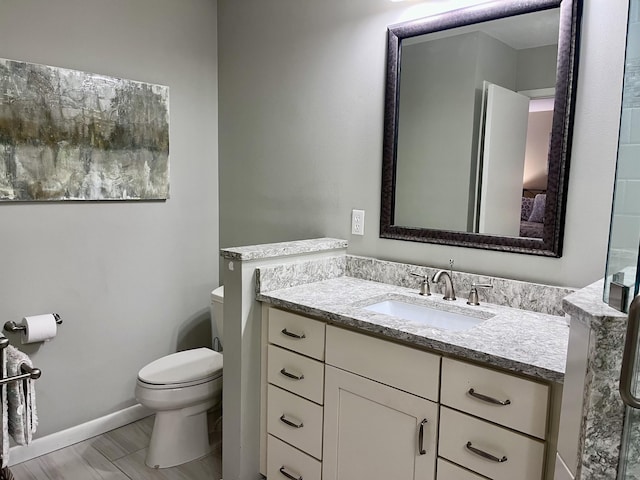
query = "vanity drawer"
{"x": 283, "y": 459}
{"x": 295, "y": 332}
{"x": 284, "y": 409}
{"x": 449, "y": 471}
{"x": 528, "y": 400}
{"x": 459, "y": 433}
{"x": 399, "y": 366}
{"x": 300, "y": 375}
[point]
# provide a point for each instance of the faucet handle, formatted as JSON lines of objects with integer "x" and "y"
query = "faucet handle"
{"x": 425, "y": 288}
{"x": 473, "y": 293}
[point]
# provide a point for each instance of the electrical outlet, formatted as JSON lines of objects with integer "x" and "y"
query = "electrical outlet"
{"x": 357, "y": 222}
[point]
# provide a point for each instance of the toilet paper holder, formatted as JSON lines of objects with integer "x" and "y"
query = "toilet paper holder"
{"x": 11, "y": 326}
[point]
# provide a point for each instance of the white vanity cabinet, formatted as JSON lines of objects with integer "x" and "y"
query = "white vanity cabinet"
{"x": 339, "y": 404}
{"x": 514, "y": 402}
{"x": 450, "y": 471}
{"x": 473, "y": 400}
{"x": 372, "y": 429}
{"x": 294, "y": 396}
{"x": 484, "y": 448}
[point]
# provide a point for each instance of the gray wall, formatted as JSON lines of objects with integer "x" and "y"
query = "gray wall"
{"x": 441, "y": 88}
{"x": 301, "y": 116}
{"x": 437, "y": 110}
{"x": 537, "y": 67}
{"x": 497, "y": 63}
{"x": 131, "y": 280}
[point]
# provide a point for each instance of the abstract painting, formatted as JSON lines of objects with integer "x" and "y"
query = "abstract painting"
{"x": 71, "y": 135}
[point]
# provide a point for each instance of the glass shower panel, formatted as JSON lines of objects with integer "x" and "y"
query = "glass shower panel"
{"x": 621, "y": 280}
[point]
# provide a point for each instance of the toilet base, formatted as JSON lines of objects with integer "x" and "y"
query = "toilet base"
{"x": 178, "y": 436}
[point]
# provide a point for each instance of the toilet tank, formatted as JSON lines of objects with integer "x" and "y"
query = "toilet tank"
{"x": 217, "y": 300}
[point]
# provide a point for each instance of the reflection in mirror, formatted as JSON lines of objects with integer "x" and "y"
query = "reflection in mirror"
{"x": 471, "y": 77}
{"x": 478, "y": 125}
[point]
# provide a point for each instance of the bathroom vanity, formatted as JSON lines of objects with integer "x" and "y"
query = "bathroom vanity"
{"x": 352, "y": 393}
{"x": 332, "y": 407}
{"x": 347, "y": 389}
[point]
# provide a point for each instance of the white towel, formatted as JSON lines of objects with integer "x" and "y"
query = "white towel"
{"x": 21, "y": 399}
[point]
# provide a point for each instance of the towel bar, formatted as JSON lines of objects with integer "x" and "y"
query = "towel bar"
{"x": 11, "y": 326}
{"x": 27, "y": 371}
{"x": 33, "y": 373}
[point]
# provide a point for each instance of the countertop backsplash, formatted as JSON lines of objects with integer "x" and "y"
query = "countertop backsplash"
{"x": 506, "y": 292}
{"x": 509, "y": 293}
{"x": 276, "y": 277}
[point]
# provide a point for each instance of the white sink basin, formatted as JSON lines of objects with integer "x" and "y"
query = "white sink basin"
{"x": 432, "y": 317}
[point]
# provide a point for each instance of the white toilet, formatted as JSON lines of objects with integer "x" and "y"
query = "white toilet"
{"x": 181, "y": 387}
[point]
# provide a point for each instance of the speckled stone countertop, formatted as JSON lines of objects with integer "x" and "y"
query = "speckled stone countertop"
{"x": 521, "y": 341}
{"x": 255, "y": 252}
{"x": 588, "y": 303}
{"x": 603, "y": 411}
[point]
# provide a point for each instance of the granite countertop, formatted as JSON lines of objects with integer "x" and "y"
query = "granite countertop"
{"x": 270, "y": 250}
{"x": 587, "y": 303}
{"x": 521, "y": 341}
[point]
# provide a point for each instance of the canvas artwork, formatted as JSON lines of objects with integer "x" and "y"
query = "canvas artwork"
{"x": 71, "y": 135}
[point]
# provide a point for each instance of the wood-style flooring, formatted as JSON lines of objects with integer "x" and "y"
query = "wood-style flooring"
{"x": 119, "y": 455}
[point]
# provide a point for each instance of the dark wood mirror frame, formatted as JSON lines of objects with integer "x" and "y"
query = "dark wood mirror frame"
{"x": 561, "y": 132}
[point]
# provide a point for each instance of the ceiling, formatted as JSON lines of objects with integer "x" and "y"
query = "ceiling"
{"x": 519, "y": 32}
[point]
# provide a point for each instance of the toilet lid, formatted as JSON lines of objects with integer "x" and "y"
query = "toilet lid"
{"x": 181, "y": 367}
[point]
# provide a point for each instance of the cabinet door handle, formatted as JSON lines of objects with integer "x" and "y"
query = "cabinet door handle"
{"x": 283, "y": 419}
{"x": 293, "y": 335}
{"x": 421, "y": 449}
{"x": 488, "y": 399}
{"x": 484, "y": 454}
{"x": 283, "y": 471}
{"x": 291, "y": 375}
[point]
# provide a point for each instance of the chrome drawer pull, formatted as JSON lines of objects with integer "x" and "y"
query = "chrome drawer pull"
{"x": 487, "y": 399}
{"x": 291, "y": 375}
{"x": 421, "y": 449}
{"x": 293, "y": 335}
{"x": 486, "y": 455}
{"x": 290, "y": 423}
{"x": 284, "y": 472}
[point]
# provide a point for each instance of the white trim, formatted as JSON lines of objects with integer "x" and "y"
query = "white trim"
{"x": 562, "y": 472}
{"x": 79, "y": 433}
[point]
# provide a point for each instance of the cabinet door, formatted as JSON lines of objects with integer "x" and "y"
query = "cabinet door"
{"x": 373, "y": 431}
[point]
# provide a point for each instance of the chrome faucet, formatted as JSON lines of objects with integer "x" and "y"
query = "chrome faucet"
{"x": 449, "y": 293}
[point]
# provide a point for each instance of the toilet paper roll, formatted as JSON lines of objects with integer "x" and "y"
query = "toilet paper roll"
{"x": 39, "y": 328}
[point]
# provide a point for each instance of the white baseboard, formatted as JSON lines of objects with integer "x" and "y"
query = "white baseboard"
{"x": 79, "y": 433}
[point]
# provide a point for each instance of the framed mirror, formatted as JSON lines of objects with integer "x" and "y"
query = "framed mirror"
{"x": 477, "y": 130}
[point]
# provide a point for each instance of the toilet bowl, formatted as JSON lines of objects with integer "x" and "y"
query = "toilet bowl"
{"x": 180, "y": 388}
